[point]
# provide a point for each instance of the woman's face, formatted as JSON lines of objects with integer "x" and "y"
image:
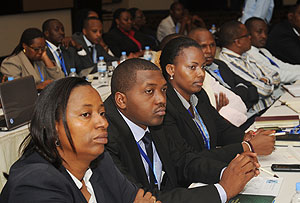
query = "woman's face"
{"x": 35, "y": 50}
{"x": 140, "y": 19}
{"x": 188, "y": 71}
{"x": 125, "y": 21}
{"x": 86, "y": 120}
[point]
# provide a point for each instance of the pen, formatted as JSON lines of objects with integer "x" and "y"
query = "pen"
{"x": 278, "y": 133}
{"x": 272, "y": 174}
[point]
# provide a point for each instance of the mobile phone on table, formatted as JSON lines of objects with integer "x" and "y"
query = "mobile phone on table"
{"x": 286, "y": 167}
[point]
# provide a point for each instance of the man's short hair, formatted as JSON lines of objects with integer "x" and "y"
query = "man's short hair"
{"x": 172, "y": 7}
{"x": 249, "y": 22}
{"x": 46, "y": 24}
{"x": 195, "y": 30}
{"x": 168, "y": 38}
{"x": 124, "y": 76}
{"x": 86, "y": 21}
{"x": 229, "y": 31}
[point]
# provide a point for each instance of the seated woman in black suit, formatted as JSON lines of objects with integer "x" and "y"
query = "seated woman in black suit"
{"x": 189, "y": 110}
{"x": 122, "y": 37}
{"x": 63, "y": 158}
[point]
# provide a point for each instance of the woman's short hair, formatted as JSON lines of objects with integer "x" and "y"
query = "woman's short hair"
{"x": 173, "y": 49}
{"x": 27, "y": 37}
{"x": 50, "y": 108}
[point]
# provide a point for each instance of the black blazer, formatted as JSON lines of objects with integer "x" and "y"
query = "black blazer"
{"x": 221, "y": 132}
{"x": 248, "y": 95}
{"x": 117, "y": 42}
{"x": 71, "y": 59}
{"x": 180, "y": 164}
{"x": 78, "y": 37}
{"x": 33, "y": 179}
{"x": 283, "y": 43}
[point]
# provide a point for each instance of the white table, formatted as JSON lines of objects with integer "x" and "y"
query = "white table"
{"x": 9, "y": 149}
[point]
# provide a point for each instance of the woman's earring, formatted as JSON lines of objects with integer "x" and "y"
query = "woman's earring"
{"x": 24, "y": 50}
{"x": 171, "y": 78}
{"x": 57, "y": 143}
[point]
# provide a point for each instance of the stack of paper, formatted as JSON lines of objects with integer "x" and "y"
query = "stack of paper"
{"x": 276, "y": 121}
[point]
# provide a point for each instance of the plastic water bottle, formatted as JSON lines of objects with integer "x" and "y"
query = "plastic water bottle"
{"x": 213, "y": 29}
{"x": 123, "y": 57}
{"x": 10, "y": 78}
{"x": 147, "y": 53}
{"x": 73, "y": 73}
{"x": 101, "y": 67}
{"x": 296, "y": 196}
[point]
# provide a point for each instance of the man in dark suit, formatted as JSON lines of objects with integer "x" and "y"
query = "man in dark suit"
{"x": 220, "y": 71}
{"x": 158, "y": 161}
{"x": 91, "y": 39}
{"x": 284, "y": 39}
{"x": 62, "y": 50}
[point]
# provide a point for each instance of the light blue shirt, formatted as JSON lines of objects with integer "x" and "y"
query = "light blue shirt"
{"x": 258, "y": 8}
{"x": 89, "y": 44}
{"x": 138, "y": 134}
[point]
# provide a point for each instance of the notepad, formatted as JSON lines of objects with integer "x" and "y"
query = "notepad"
{"x": 293, "y": 89}
{"x": 276, "y": 121}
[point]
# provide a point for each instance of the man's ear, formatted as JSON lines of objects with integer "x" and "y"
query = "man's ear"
{"x": 290, "y": 17}
{"x": 46, "y": 33}
{"x": 120, "y": 100}
{"x": 84, "y": 31}
{"x": 170, "y": 68}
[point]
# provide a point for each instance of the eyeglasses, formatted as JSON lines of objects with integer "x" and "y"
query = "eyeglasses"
{"x": 240, "y": 37}
{"x": 37, "y": 49}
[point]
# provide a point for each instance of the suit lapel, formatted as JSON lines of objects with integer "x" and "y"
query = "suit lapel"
{"x": 128, "y": 138}
{"x": 29, "y": 67}
{"x": 174, "y": 99}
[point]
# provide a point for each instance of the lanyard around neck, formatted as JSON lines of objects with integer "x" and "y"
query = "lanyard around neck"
{"x": 205, "y": 134}
{"x": 61, "y": 60}
{"x": 148, "y": 161}
{"x": 42, "y": 78}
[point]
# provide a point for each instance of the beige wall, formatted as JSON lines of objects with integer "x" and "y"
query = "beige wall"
{"x": 12, "y": 26}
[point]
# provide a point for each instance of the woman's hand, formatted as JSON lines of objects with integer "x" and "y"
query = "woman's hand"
{"x": 42, "y": 85}
{"x": 47, "y": 60}
{"x": 147, "y": 198}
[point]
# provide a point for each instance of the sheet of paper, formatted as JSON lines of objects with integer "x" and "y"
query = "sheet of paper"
{"x": 268, "y": 186}
{"x": 281, "y": 155}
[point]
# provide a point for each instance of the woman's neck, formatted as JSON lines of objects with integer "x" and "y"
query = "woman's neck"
{"x": 185, "y": 95}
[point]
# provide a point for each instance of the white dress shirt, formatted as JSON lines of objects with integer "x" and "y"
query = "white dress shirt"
{"x": 288, "y": 72}
{"x": 166, "y": 27}
{"x": 235, "y": 111}
{"x": 138, "y": 134}
{"x": 54, "y": 52}
{"x": 91, "y": 46}
{"x": 86, "y": 178}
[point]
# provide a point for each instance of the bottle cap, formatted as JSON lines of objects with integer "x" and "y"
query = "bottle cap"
{"x": 123, "y": 53}
{"x": 73, "y": 70}
{"x": 298, "y": 186}
{"x": 147, "y": 47}
{"x": 101, "y": 58}
{"x": 10, "y": 78}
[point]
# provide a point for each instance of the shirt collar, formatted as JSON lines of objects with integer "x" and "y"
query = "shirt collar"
{"x": 136, "y": 130}
{"x": 244, "y": 56}
{"x": 53, "y": 47}
{"x": 185, "y": 103}
{"x": 88, "y": 174}
{"x": 88, "y": 43}
{"x": 212, "y": 67}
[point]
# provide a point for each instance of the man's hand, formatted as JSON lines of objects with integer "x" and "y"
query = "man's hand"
{"x": 69, "y": 41}
{"x": 221, "y": 101}
{"x": 238, "y": 173}
{"x": 147, "y": 198}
